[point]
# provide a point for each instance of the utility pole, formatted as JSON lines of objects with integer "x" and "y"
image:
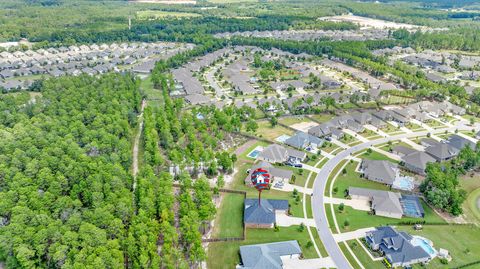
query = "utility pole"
{"x": 129, "y": 22}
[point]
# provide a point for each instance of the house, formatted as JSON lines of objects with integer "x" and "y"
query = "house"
{"x": 428, "y": 142}
{"x": 417, "y": 162}
{"x": 460, "y": 142}
{"x": 196, "y": 99}
{"x": 337, "y": 134}
{"x": 276, "y": 174}
{"x": 402, "y": 150}
{"x": 261, "y": 214}
{"x": 399, "y": 248}
{"x": 381, "y": 171}
{"x": 442, "y": 152}
{"x": 384, "y": 115}
{"x": 383, "y": 203}
{"x": 434, "y": 77}
{"x": 279, "y": 154}
{"x": 270, "y": 255}
{"x": 321, "y": 130}
{"x": 303, "y": 140}
{"x": 362, "y": 118}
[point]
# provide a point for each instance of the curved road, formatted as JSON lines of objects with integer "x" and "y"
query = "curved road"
{"x": 321, "y": 183}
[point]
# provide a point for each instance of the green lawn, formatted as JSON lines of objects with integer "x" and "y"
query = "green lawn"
{"x": 460, "y": 240}
{"x": 434, "y": 124}
{"x": 471, "y": 184}
{"x": 244, "y": 154}
{"x": 351, "y": 260}
{"x": 265, "y": 130}
{"x": 374, "y": 155}
{"x": 329, "y": 147}
{"x": 389, "y": 129}
{"x": 226, "y": 254}
{"x": 324, "y": 117}
{"x": 362, "y": 219}
{"x": 353, "y": 179}
{"x": 308, "y": 205}
{"x": 332, "y": 175}
{"x": 293, "y": 120}
{"x": 320, "y": 245}
{"x": 363, "y": 257}
{"x": 229, "y": 218}
{"x": 239, "y": 184}
{"x": 330, "y": 219}
{"x": 368, "y": 133}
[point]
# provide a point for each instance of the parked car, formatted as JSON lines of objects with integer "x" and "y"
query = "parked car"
{"x": 298, "y": 165}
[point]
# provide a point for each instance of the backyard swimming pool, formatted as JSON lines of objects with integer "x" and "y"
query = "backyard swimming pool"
{"x": 425, "y": 244}
{"x": 403, "y": 183}
{"x": 254, "y": 153}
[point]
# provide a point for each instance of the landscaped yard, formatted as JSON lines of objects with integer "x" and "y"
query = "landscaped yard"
{"x": 265, "y": 130}
{"x": 353, "y": 179}
{"x": 388, "y": 147}
{"x": 226, "y": 254}
{"x": 324, "y": 117}
{"x": 414, "y": 127}
{"x": 470, "y": 207}
{"x": 329, "y": 147}
{"x": 435, "y": 124}
{"x": 293, "y": 120}
{"x": 362, "y": 219}
{"x": 363, "y": 257}
{"x": 229, "y": 218}
{"x": 460, "y": 240}
{"x": 374, "y": 155}
{"x": 389, "y": 129}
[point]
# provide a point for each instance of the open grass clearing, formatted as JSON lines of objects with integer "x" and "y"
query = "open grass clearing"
{"x": 374, "y": 155}
{"x": 265, "y": 130}
{"x": 160, "y": 14}
{"x": 229, "y": 217}
{"x": 293, "y": 120}
{"x": 324, "y": 117}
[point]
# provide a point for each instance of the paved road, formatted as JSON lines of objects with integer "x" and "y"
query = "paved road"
{"x": 321, "y": 182}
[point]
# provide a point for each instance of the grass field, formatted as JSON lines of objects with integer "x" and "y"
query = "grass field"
{"x": 159, "y": 14}
{"x": 351, "y": 260}
{"x": 226, "y": 254}
{"x": 322, "y": 117}
{"x": 374, "y": 155}
{"x": 229, "y": 218}
{"x": 353, "y": 179}
{"x": 362, "y": 219}
{"x": 293, "y": 120}
{"x": 471, "y": 184}
{"x": 265, "y": 130}
{"x": 460, "y": 240}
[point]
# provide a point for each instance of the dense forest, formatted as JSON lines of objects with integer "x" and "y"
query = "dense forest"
{"x": 66, "y": 196}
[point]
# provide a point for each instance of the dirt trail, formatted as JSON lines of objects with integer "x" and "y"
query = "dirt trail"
{"x": 135, "y": 146}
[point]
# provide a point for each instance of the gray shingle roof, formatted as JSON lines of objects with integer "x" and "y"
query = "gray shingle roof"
{"x": 442, "y": 151}
{"x": 267, "y": 256}
{"x": 301, "y": 140}
{"x": 264, "y": 213}
{"x": 379, "y": 170}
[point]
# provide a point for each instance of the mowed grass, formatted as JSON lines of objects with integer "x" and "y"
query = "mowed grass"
{"x": 374, "y": 155}
{"x": 160, "y": 14}
{"x": 226, "y": 254}
{"x": 460, "y": 240}
{"x": 229, "y": 218}
{"x": 293, "y": 120}
{"x": 324, "y": 117}
{"x": 353, "y": 179}
{"x": 363, "y": 219}
{"x": 471, "y": 184}
{"x": 265, "y": 130}
{"x": 363, "y": 257}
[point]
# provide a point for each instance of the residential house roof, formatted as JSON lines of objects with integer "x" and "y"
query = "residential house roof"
{"x": 385, "y": 201}
{"x": 379, "y": 170}
{"x": 302, "y": 140}
{"x": 263, "y": 213}
{"x": 442, "y": 151}
{"x": 267, "y": 256}
{"x": 460, "y": 142}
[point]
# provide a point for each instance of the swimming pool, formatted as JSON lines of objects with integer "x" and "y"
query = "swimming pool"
{"x": 403, "y": 183}
{"x": 425, "y": 244}
{"x": 412, "y": 207}
{"x": 254, "y": 153}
